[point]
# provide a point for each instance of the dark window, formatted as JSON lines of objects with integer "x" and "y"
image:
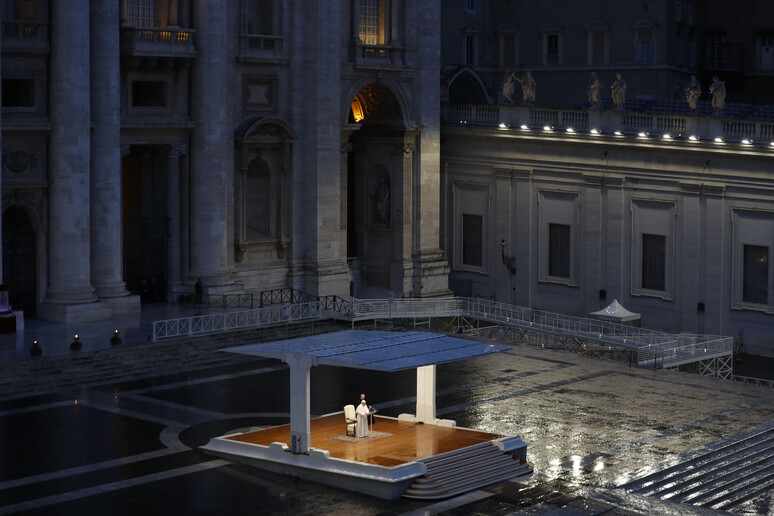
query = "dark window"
{"x": 18, "y": 93}
{"x": 644, "y": 46}
{"x": 258, "y": 201}
{"x": 509, "y": 49}
{"x": 470, "y": 49}
{"x": 715, "y": 50}
{"x": 755, "y": 277}
{"x": 260, "y": 17}
{"x": 552, "y": 48}
{"x": 559, "y": 250}
{"x": 597, "y": 47}
{"x": 654, "y": 262}
{"x": 470, "y": 6}
{"x": 472, "y": 239}
{"x": 149, "y": 94}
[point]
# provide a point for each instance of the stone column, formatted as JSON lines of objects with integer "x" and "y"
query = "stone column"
{"x": 69, "y": 246}
{"x": 212, "y": 147}
{"x": 172, "y": 14}
{"x": 426, "y": 394}
{"x": 431, "y": 268}
{"x": 106, "y": 204}
{"x": 404, "y": 214}
{"x": 124, "y": 12}
{"x": 299, "y": 401}
{"x": 173, "y": 212}
{"x": 1, "y": 177}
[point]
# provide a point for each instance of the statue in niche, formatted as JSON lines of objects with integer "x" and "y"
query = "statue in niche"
{"x": 618, "y": 92}
{"x": 718, "y": 92}
{"x": 692, "y": 93}
{"x": 594, "y": 91}
{"x": 381, "y": 199}
{"x": 509, "y": 88}
{"x": 527, "y": 89}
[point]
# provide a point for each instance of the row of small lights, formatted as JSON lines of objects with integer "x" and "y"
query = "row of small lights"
{"x": 641, "y": 134}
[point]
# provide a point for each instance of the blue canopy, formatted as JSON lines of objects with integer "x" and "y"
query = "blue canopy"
{"x": 378, "y": 350}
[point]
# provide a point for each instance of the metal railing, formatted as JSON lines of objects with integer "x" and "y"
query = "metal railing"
{"x": 647, "y": 347}
{"x": 230, "y": 301}
{"x": 237, "y": 320}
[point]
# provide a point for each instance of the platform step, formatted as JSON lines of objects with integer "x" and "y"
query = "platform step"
{"x": 473, "y": 485}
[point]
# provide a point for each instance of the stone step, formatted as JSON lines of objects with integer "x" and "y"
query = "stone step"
{"x": 41, "y": 374}
{"x": 470, "y": 485}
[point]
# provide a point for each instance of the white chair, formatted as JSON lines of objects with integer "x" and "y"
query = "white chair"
{"x": 350, "y": 418}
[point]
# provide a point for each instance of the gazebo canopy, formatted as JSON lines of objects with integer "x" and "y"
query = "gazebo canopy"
{"x": 377, "y": 350}
{"x": 615, "y": 312}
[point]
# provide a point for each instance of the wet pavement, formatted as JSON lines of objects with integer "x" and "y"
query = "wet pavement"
{"x": 592, "y": 427}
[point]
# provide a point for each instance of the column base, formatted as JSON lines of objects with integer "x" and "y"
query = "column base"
{"x": 431, "y": 274}
{"x": 74, "y": 313}
{"x": 125, "y": 305}
{"x": 333, "y": 280}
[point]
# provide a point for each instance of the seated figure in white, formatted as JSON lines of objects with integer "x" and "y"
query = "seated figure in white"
{"x": 361, "y": 430}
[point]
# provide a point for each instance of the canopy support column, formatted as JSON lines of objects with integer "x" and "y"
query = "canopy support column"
{"x": 300, "y": 434}
{"x": 426, "y": 394}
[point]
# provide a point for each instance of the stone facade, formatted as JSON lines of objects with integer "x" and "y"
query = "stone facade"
{"x": 149, "y": 144}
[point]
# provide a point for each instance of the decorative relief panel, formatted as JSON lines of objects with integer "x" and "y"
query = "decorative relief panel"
{"x": 23, "y": 164}
{"x": 259, "y": 94}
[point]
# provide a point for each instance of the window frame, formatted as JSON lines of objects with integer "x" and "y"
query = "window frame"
{"x": 651, "y": 56}
{"x": 503, "y": 32}
{"x": 653, "y": 216}
{"x": 759, "y": 51}
{"x": 751, "y": 226}
{"x": 548, "y": 32}
{"x": 471, "y": 199}
{"x": 592, "y": 29}
{"x": 559, "y": 207}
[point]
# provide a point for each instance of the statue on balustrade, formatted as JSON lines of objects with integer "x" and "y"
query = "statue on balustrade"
{"x": 527, "y": 89}
{"x": 594, "y": 92}
{"x": 509, "y": 88}
{"x": 618, "y": 90}
{"x": 718, "y": 92}
{"x": 692, "y": 93}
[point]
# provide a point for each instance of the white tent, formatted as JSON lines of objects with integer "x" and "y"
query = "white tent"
{"x": 615, "y": 312}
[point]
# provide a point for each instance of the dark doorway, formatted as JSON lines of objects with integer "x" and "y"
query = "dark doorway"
{"x": 146, "y": 226}
{"x": 19, "y": 260}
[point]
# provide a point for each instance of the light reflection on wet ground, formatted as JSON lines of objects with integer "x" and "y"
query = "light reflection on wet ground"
{"x": 592, "y": 425}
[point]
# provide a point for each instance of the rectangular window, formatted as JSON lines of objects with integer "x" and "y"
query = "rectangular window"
{"x": 142, "y": 13}
{"x": 654, "y": 262}
{"x": 755, "y": 274}
{"x": 371, "y": 22}
{"x": 149, "y": 94}
{"x": 472, "y": 239}
{"x": 552, "y": 49}
{"x": 260, "y": 17}
{"x": 559, "y": 250}
{"x": 766, "y": 52}
{"x": 470, "y": 43}
{"x": 18, "y": 93}
{"x": 643, "y": 47}
{"x": 597, "y": 48}
{"x": 509, "y": 50}
{"x": 715, "y": 50}
{"x": 679, "y": 11}
{"x": 18, "y": 10}
{"x": 690, "y": 15}
{"x": 470, "y": 6}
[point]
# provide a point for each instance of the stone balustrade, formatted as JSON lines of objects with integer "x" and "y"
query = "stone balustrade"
{"x": 160, "y": 42}
{"x": 25, "y": 35}
{"x": 753, "y": 133}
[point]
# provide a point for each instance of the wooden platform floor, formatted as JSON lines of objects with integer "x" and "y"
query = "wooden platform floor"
{"x": 407, "y": 442}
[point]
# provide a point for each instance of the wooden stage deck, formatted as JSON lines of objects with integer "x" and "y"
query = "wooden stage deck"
{"x": 407, "y": 441}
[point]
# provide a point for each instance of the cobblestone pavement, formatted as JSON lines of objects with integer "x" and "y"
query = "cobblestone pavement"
{"x": 592, "y": 427}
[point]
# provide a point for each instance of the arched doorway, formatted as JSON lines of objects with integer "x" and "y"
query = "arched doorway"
{"x": 19, "y": 260}
{"x": 379, "y": 182}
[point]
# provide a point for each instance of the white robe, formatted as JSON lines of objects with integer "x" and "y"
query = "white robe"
{"x": 361, "y": 429}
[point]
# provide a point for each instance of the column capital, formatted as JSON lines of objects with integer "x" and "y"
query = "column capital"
{"x": 178, "y": 149}
{"x": 126, "y": 149}
{"x": 346, "y": 147}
